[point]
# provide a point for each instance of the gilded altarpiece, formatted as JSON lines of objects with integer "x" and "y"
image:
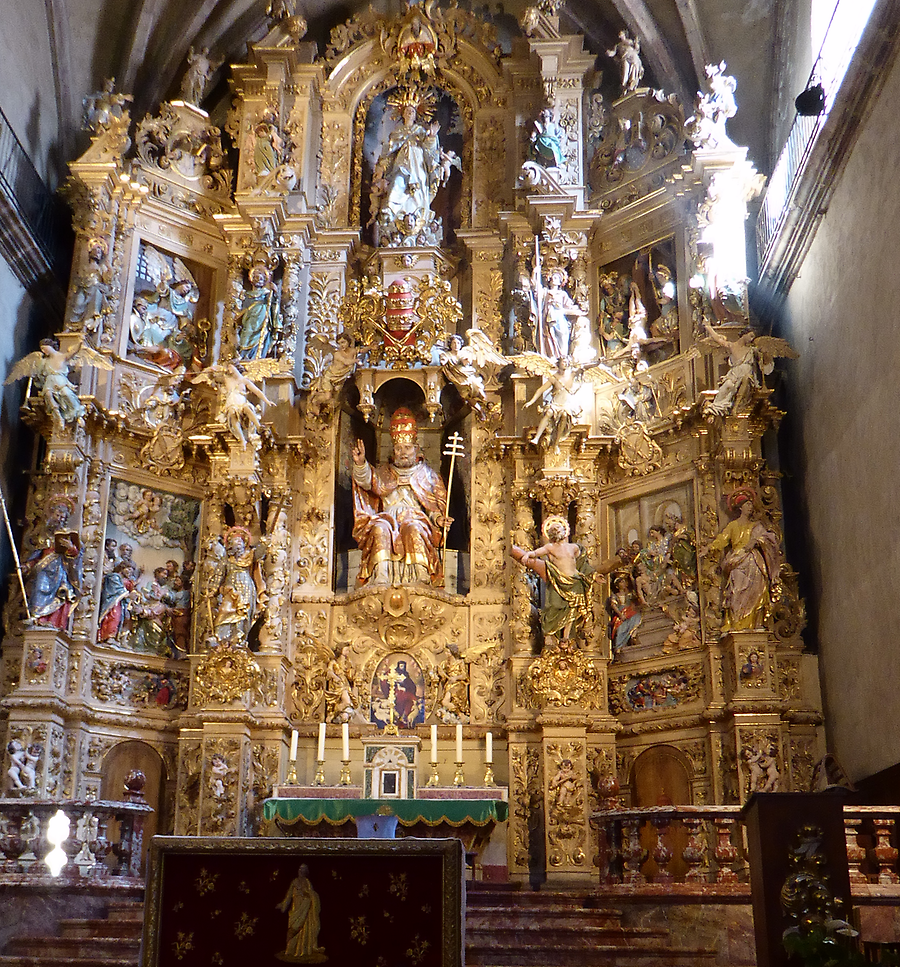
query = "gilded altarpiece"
{"x": 444, "y": 407}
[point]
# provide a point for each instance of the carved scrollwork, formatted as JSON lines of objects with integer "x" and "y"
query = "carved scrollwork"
{"x": 564, "y": 676}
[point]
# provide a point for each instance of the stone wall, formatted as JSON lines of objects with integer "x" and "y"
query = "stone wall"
{"x": 841, "y": 317}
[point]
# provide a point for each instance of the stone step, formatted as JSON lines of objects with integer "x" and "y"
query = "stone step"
{"x": 86, "y": 961}
{"x": 503, "y": 916}
{"x": 50, "y": 950}
{"x": 534, "y": 898}
{"x": 580, "y": 936}
{"x": 124, "y": 910}
{"x": 601, "y": 956}
{"x": 101, "y": 928}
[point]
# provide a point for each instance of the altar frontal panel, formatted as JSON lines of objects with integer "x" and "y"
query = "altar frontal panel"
{"x": 270, "y": 901}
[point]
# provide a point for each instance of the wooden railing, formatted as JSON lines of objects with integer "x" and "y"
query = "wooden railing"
{"x": 705, "y": 845}
{"x": 104, "y": 840}
{"x": 671, "y": 844}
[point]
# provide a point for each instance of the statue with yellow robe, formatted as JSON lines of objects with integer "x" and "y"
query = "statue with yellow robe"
{"x": 398, "y": 512}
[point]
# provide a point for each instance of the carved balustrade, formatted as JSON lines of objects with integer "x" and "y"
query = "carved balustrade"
{"x": 672, "y": 844}
{"x": 872, "y": 838}
{"x": 705, "y": 845}
{"x": 105, "y": 838}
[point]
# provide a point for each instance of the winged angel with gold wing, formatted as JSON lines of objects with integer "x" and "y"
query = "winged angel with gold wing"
{"x": 49, "y": 368}
{"x": 750, "y": 357}
{"x": 560, "y": 388}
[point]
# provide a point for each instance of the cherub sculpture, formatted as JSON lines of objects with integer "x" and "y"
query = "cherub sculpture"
{"x": 335, "y": 363}
{"x": 200, "y": 69}
{"x": 628, "y": 53}
{"x": 235, "y": 409}
{"x": 465, "y": 365}
{"x": 49, "y": 368}
{"x": 452, "y": 679}
{"x": 750, "y": 357}
{"x": 105, "y": 109}
{"x": 560, "y": 407}
{"x": 707, "y": 127}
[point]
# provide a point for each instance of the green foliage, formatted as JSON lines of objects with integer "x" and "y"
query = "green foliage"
{"x": 181, "y": 525}
{"x": 816, "y": 948}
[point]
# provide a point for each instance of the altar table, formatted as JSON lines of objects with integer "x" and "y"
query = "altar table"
{"x": 469, "y": 820}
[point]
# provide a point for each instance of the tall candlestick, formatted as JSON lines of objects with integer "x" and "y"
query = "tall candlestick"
{"x": 459, "y": 757}
{"x": 294, "y": 737}
{"x": 434, "y": 743}
{"x": 345, "y": 740}
{"x": 321, "y": 753}
{"x": 489, "y": 748}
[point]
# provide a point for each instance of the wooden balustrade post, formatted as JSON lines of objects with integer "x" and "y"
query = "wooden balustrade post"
{"x": 885, "y": 854}
{"x": 12, "y": 841}
{"x": 725, "y": 852}
{"x": 694, "y": 852}
{"x": 855, "y": 853}
{"x": 662, "y": 853}
{"x": 633, "y": 853}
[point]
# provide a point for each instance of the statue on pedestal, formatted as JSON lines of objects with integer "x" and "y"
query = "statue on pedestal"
{"x": 52, "y": 572}
{"x": 49, "y": 368}
{"x": 750, "y": 563}
{"x": 408, "y": 173}
{"x": 238, "y": 593}
{"x": 399, "y": 512}
{"x": 566, "y": 574}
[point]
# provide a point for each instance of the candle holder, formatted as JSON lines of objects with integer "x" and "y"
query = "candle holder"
{"x": 292, "y": 773}
{"x": 345, "y": 773}
{"x": 458, "y": 778}
{"x": 489, "y": 774}
{"x": 433, "y": 778}
{"x": 319, "y": 778}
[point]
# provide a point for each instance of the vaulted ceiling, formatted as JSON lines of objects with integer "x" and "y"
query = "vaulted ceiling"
{"x": 144, "y": 45}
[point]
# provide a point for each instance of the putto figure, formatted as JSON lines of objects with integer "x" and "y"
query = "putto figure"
{"x": 398, "y": 511}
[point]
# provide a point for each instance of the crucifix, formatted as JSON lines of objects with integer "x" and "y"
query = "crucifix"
{"x": 393, "y": 678}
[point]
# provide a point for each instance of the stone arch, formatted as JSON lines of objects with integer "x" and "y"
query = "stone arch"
{"x": 118, "y": 762}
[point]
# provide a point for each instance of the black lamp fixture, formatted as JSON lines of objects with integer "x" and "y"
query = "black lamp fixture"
{"x": 811, "y": 102}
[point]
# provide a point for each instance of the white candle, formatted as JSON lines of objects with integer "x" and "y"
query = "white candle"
{"x": 489, "y": 748}
{"x": 294, "y": 737}
{"x": 434, "y": 743}
{"x": 345, "y": 740}
{"x": 321, "y": 753}
{"x": 459, "y": 757}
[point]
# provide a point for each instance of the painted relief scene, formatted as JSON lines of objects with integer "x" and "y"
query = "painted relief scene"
{"x": 653, "y": 605}
{"x": 638, "y": 318}
{"x": 167, "y": 325}
{"x": 148, "y": 568}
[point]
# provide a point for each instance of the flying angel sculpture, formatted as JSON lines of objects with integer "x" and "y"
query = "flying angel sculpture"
{"x": 750, "y": 357}
{"x": 559, "y": 390}
{"x": 49, "y": 368}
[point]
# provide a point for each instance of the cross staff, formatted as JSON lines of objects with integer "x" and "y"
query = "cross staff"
{"x": 454, "y": 449}
{"x": 12, "y": 544}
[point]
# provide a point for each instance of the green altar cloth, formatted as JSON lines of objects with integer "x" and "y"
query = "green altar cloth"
{"x": 431, "y": 812}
